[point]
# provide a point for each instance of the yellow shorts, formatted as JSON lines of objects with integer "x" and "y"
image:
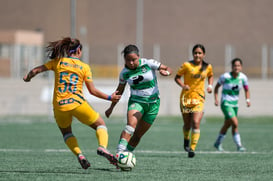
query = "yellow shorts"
{"x": 84, "y": 113}
{"x": 191, "y": 105}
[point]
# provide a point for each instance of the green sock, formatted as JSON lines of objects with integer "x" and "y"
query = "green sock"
{"x": 130, "y": 148}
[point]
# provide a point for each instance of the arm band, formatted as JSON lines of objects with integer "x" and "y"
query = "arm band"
{"x": 210, "y": 86}
{"x": 109, "y": 98}
{"x": 246, "y": 87}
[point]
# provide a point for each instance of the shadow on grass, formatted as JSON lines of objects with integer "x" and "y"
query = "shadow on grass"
{"x": 81, "y": 172}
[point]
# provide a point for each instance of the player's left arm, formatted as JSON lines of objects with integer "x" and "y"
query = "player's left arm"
{"x": 247, "y": 96}
{"x": 34, "y": 72}
{"x": 210, "y": 80}
{"x": 246, "y": 89}
{"x": 165, "y": 70}
{"x": 96, "y": 92}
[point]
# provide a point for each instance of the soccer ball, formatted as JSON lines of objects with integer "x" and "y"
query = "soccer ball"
{"x": 126, "y": 160}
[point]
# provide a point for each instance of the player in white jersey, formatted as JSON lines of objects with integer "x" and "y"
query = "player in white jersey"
{"x": 144, "y": 101}
{"x": 232, "y": 83}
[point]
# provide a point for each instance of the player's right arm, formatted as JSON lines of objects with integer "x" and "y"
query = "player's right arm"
{"x": 216, "y": 102}
{"x": 178, "y": 80}
{"x": 34, "y": 72}
{"x": 120, "y": 90}
{"x": 181, "y": 71}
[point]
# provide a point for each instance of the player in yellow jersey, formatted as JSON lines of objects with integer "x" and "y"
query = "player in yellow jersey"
{"x": 192, "y": 96}
{"x": 68, "y": 100}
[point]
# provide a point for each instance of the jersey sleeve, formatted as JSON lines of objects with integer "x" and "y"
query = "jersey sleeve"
{"x": 88, "y": 74}
{"x": 221, "y": 80}
{"x": 50, "y": 64}
{"x": 245, "y": 80}
{"x": 182, "y": 69}
{"x": 210, "y": 70}
{"x": 122, "y": 79}
{"x": 153, "y": 64}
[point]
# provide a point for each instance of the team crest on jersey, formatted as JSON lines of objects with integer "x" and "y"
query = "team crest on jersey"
{"x": 143, "y": 70}
{"x": 126, "y": 76}
{"x": 230, "y": 113}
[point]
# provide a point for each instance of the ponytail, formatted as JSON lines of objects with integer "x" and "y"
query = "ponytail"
{"x": 204, "y": 66}
{"x": 61, "y": 48}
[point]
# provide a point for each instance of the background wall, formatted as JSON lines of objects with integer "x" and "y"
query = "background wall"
{"x": 174, "y": 26}
{"x": 168, "y": 29}
{"x": 18, "y": 97}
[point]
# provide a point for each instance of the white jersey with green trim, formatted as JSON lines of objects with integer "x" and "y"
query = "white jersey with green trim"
{"x": 231, "y": 88}
{"x": 142, "y": 80}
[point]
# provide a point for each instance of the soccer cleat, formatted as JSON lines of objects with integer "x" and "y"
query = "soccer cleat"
{"x": 186, "y": 145}
{"x": 83, "y": 161}
{"x": 218, "y": 147}
{"x": 191, "y": 153}
{"x": 105, "y": 153}
{"x": 241, "y": 149}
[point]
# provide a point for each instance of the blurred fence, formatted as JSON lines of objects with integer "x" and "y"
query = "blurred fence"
{"x": 34, "y": 98}
{"x": 257, "y": 59}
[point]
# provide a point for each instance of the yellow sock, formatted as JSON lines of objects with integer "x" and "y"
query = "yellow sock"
{"x": 186, "y": 134}
{"x": 102, "y": 136}
{"x": 195, "y": 135}
{"x": 72, "y": 143}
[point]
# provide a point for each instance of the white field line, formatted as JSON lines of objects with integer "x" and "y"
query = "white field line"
{"x": 138, "y": 151}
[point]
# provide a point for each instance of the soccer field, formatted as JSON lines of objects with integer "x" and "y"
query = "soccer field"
{"x": 32, "y": 148}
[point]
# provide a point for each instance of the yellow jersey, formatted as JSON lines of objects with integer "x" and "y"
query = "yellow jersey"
{"x": 195, "y": 79}
{"x": 70, "y": 74}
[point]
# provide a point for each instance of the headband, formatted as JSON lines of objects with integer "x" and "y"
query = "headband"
{"x": 74, "y": 50}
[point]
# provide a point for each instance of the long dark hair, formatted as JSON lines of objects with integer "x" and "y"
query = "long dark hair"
{"x": 204, "y": 64}
{"x": 61, "y": 48}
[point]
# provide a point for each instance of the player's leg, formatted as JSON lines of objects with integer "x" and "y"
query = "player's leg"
{"x": 186, "y": 130}
{"x": 132, "y": 118}
{"x": 228, "y": 113}
{"x": 64, "y": 120}
{"x": 186, "y": 115}
{"x": 88, "y": 116}
{"x": 144, "y": 122}
{"x": 141, "y": 129}
{"x": 102, "y": 137}
{"x": 72, "y": 144}
{"x": 222, "y": 135}
{"x": 235, "y": 132}
{"x": 195, "y": 135}
{"x": 134, "y": 113}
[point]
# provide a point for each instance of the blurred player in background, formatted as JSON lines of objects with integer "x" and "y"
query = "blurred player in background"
{"x": 144, "y": 101}
{"x": 232, "y": 83}
{"x": 68, "y": 101}
{"x": 192, "y": 96}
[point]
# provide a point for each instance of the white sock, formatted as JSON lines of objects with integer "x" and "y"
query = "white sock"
{"x": 122, "y": 145}
{"x": 237, "y": 139}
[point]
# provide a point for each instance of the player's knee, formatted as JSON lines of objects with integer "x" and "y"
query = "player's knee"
{"x": 66, "y": 136}
{"x": 129, "y": 129}
{"x": 196, "y": 130}
{"x": 102, "y": 127}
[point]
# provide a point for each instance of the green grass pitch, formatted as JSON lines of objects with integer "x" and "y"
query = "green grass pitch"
{"x": 32, "y": 148}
